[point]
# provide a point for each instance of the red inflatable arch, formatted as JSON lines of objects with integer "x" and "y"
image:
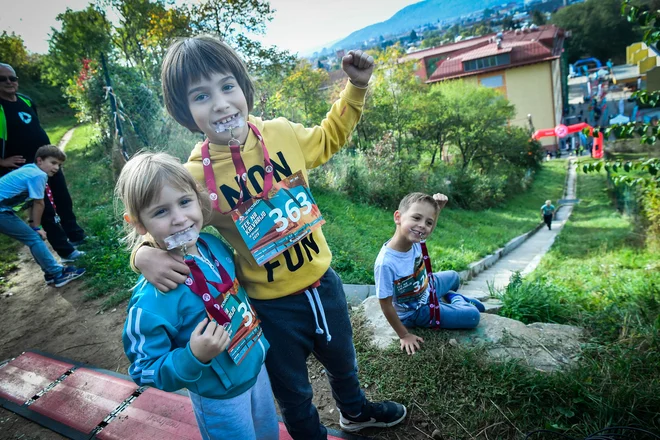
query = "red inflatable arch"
{"x": 561, "y": 131}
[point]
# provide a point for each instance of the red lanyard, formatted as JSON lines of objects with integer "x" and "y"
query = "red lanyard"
{"x": 49, "y": 193}
{"x": 433, "y": 297}
{"x": 241, "y": 171}
{"x": 198, "y": 284}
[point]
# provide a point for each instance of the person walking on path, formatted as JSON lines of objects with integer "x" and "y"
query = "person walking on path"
{"x": 29, "y": 182}
{"x": 21, "y": 135}
{"x": 548, "y": 212}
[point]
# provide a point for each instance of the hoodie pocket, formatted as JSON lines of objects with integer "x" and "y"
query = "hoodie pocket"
{"x": 222, "y": 374}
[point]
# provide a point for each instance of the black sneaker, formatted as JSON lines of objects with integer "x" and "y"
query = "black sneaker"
{"x": 68, "y": 274}
{"x": 374, "y": 415}
{"x": 50, "y": 278}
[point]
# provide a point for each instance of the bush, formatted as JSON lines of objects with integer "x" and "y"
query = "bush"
{"x": 535, "y": 301}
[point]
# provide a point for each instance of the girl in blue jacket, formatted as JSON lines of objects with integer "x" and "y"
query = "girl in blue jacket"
{"x": 203, "y": 335}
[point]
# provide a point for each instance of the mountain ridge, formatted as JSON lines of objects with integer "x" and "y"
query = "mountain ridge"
{"x": 416, "y": 15}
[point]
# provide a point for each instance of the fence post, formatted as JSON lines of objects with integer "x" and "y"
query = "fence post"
{"x": 113, "y": 106}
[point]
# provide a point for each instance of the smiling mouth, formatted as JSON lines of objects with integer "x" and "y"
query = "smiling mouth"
{"x": 234, "y": 121}
{"x": 180, "y": 238}
{"x": 417, "y": 233}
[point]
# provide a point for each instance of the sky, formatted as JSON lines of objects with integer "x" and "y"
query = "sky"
{"x": 300, "y": 26}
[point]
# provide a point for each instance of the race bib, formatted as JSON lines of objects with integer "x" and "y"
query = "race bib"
{"x": 412, "y": 287}
{"x": 269, "y": 227}
{"x": 244, "y": 329}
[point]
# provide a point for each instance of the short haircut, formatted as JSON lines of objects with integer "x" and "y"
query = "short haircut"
{"x": 187, "y": 61}
{"x": 50, "y": 151}
{"x": 416, "y": 197}
{"x": 548, "y": 201}
{"x": 7, "y": 66}
{"x": 141, "y": 181}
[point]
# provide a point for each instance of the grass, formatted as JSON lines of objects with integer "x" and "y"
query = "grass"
{"x": 462, "y": 236}
{"x": 356, "y": 231}
{"x": 91, "y": 184}
{"x": 599, "y": 276}
{"x": 55, "y": 126}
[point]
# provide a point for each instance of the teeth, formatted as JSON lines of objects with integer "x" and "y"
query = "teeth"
{"x": 235, "y": 121}
{"x": 180, "y": 238}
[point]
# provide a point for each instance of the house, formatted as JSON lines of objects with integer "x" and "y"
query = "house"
{"x": 525, "y": 65}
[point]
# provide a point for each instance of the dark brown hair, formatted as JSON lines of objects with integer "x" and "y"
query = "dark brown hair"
{"x": 50, "y": 151}
{"x": 190, "y": 59}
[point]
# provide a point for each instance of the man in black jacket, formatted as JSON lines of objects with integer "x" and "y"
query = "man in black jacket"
{"x": 21, "y": 135}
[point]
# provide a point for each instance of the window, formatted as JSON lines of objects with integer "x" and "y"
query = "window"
{"x": 493, "y": 82}
{"x": 487, "y": 62}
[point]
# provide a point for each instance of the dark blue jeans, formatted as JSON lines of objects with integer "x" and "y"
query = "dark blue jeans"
{"x": 290, "y": 327}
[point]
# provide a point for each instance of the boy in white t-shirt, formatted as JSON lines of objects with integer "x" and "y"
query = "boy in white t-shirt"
{"x": 402, "y": 285}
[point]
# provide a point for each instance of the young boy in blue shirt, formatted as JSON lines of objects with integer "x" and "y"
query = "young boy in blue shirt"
{"x": 29, "y": 183}
{"x": 402, "y": 284}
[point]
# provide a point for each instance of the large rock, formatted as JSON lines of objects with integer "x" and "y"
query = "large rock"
{"x": 545, "y": 347}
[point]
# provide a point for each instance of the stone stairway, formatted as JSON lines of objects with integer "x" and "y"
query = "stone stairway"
{"x": 526, "y": 257}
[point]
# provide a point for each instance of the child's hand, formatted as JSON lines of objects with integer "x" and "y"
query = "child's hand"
{"x": 410, "y": 343}
{"x": 163, "y": 269}
{"x": 210, "y": 342}
{"x": 42, "y": 234}
{"x": 358, "y": 66}
{"x": 441, "y": 200}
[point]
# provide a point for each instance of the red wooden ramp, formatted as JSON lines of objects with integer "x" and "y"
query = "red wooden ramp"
{"x": 89, "y": 403}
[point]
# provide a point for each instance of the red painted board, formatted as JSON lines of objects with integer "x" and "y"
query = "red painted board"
{"x": 159, "y": 415}
{"x": 84, "y": 399}
{"x": 28, "y": 374}
{"x": 155, "y": 414}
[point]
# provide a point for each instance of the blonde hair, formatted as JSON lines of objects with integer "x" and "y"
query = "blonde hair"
{"x": 548, "y": 201}
{"x": 141, "y": 181}
{"x": 415, "y": 197}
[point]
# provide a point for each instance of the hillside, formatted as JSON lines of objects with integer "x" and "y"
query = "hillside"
{"x": 418, "y": 14}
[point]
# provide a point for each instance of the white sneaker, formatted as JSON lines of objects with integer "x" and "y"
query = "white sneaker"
{"x": 73, "y": 256}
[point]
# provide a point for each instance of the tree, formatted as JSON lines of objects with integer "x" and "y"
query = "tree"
{"x": 233, "y": 21}
{"x": 538, "y": 17}
{"x": 508, "y": 23}
{"x": 390, "y": 106}
{"x": 643, "y": 174}
{"x": 475, "y": 115}
{"x": 597, "y": 28}
{"x": 139, "y": 36}
{"x": 302, "y": 96}
{"x": 413, "y": 35}
{"x": 84, "y": 35}
{"x": 12, "y": 50}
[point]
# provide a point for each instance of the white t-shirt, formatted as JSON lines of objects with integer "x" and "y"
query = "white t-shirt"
{"x": 403, "y": 276}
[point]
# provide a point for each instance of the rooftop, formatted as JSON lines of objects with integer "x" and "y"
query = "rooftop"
{"x": 522, "y": 47}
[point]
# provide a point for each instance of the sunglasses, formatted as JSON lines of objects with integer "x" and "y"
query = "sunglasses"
{"x": 10, "y": 78}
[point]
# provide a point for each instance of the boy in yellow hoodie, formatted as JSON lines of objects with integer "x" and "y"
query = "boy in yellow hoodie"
{"x": 255, "y": 171}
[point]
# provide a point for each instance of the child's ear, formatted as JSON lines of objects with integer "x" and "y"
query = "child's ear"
{"x": 139, "y": 228}
{"x": 397, "y": 218}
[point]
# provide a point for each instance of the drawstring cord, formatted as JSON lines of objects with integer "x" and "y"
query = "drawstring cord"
{"x": 313, "y": 300}
{"x": 328, "y": 336}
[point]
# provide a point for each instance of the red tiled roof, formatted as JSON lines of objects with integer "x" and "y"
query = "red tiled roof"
{"x": 544, "y": 43}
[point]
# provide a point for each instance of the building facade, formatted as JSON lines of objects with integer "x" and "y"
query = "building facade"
{"x": 525, "y": 65}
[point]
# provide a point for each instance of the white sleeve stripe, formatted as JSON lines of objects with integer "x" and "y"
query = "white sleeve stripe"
{"x": 133, "y": 333}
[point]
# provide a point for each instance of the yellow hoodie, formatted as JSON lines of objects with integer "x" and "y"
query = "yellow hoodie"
{"x": 291, "y": 147}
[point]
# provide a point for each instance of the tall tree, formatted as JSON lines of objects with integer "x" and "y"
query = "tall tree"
{"x": 303, "y": 95}
{"x": 84, "y": 35}
{"x": 12, "y": 50}
{"x": 597, "y": 28}
{"x": 235, "y": 21}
